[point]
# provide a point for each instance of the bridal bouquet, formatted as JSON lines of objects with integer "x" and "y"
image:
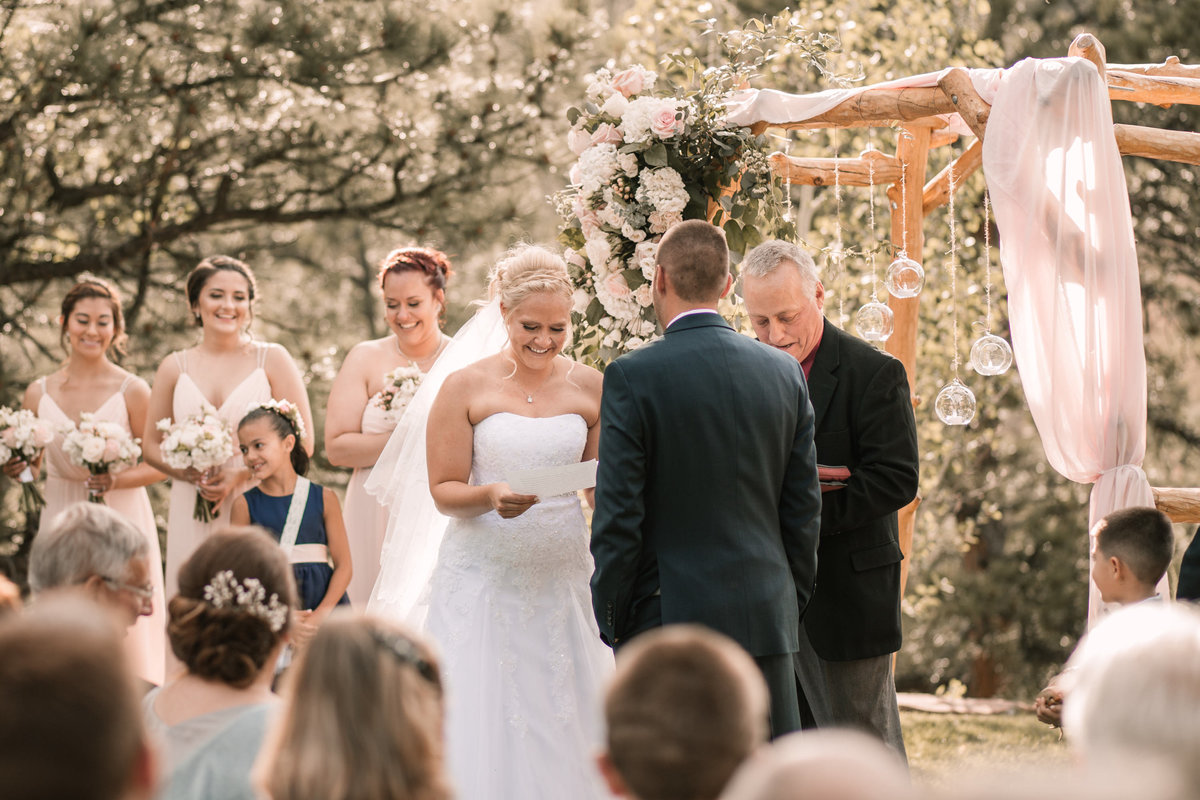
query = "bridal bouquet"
{"x": 100, "y": 447}
{"x": 399, "y": 386}
{"x": 202, "y": 442}
{"x": 23, "y": 434}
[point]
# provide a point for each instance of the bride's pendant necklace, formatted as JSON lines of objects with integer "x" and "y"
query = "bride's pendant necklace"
{"x": 416, "y": 364}
{"x": 528, "y": 394}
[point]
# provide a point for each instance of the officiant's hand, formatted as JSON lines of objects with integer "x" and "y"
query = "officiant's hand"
{"x": 507, "y": 503}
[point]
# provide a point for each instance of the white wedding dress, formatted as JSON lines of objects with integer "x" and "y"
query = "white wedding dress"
{"x": 510, "y": 609}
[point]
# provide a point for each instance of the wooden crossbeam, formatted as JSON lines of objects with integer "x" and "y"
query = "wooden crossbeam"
{"x": 873, "y": 168}
{"x": 937, "y": 191}
{"x": 1161, "y": 91}
{"x": 1138, "y": 140}
{"x": 1181, "y": 505}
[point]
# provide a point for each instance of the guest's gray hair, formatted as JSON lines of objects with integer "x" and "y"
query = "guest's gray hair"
{"x": 766, "y": 258}
{"x": 86, "y": 539}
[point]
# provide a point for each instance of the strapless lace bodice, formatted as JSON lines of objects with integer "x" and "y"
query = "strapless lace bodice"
{"x": 546, "y": 541}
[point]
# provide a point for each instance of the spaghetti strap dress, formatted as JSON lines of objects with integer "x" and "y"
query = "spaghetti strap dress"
{"x": 184, "y": 533}
{"x": 66, "y": 484}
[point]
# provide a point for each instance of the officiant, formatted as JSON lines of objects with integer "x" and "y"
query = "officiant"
{"x": 866, "y": 442}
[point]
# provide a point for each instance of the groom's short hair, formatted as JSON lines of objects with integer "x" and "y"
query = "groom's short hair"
{"x": 695, "y": 257}
{"x": 685, "y": 707}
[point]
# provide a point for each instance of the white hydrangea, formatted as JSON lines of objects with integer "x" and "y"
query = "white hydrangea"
{"x": 643, "y": 256}
{"x": 662, "y": 189}
{"x": 596, "y": 168}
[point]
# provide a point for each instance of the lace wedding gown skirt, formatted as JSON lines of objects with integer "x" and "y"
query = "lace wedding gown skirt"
{"x": 511, "y": 611}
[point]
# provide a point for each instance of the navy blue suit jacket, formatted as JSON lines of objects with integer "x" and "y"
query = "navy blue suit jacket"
{"x": 707, "y": 503}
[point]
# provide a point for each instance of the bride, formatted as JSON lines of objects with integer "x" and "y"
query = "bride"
{"x": 508, "y": 600}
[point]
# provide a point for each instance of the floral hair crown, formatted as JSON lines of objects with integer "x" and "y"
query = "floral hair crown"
{"x": 286, "y": 409}
{"x": 226, "y": 591}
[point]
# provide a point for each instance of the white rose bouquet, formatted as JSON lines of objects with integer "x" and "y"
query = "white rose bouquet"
{"x": 399, "y": 386}
{"x": 201, "y": 442}
{"x": 100, "y": 447}
{"x": 22, "y": 434}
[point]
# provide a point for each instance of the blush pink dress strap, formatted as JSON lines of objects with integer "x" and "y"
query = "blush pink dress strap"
{"x": 366, "y": 520}
{"x": 184, "y": 533}
{"x": 66, "y": 485}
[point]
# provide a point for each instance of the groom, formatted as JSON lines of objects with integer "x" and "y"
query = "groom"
{"x": 708, "y": 507}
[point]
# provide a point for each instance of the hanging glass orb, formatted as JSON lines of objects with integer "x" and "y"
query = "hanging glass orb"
{"x": 955, "y": 403}
{"x": 991, "y": 355}
{"x": 874, "y": 322}
{"x": 905, "y": 277}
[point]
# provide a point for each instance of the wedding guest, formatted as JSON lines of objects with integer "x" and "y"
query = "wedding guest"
{"x": 1135, "y": 702}
{"x": 1131, "y": 551}
{"x": 228, "y": 624}
{"x": 685, "y": 708}
{"x": 865, "y": 428}
{"x": 69, "y": 722}
{"x": 823, "y": 765}
{"x": 708, "y": 506}
{"x": 93, "y": 547}
{"x": 304, "y": 517}
{"x": 92, "y": 329}
{"x": 228, "y": 371}
{"x": 358, "y": 421}
{"x": 364, "y": 718}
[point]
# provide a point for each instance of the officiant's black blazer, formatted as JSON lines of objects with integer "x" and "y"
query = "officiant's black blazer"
{"x": 706, "y": 494}
{"x": 864, "y": 421}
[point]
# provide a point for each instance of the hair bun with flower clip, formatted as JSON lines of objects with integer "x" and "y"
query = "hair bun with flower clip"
{"x": 226, "y": 591}
{"x": 286, "y": 409}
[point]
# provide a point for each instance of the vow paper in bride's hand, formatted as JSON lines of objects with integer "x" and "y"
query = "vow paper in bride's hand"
{"x": 551, "y": 481}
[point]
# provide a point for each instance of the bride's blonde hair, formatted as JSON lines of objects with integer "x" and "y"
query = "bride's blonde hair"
{"x": 527, "y": 269}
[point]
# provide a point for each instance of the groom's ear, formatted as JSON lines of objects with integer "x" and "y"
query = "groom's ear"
{"x": 728, "y": 284}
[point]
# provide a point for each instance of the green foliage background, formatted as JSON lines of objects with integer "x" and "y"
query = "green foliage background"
{"x": 137, "y": 136}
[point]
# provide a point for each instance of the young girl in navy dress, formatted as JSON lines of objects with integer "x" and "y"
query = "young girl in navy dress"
{"x": 306, "y": 518}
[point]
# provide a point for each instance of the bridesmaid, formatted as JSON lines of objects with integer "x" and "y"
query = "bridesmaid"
{"x": 229, "y": 371}
{"x": 413, "y": 281}
{"x": 92, "y": 326}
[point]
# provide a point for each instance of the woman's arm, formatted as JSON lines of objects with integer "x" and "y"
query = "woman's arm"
{"x": 288, "y": 384}
{"x": 339, "y": 551}
{"x": 345, "y": 443}
{"x": 450, "y": 441}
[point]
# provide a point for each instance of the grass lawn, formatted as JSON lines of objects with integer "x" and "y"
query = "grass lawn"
{"x": 944, "y": 746}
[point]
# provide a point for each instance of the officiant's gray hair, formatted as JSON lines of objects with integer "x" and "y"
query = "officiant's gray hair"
{"x": 768, "y": 256}
{"x": 86, "y": 539}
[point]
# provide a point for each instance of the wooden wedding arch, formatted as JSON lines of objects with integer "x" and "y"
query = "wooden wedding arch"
{"x": 915, "y": 111}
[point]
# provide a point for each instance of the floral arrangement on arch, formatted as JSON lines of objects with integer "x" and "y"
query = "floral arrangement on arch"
{"x": 650, "y": 154}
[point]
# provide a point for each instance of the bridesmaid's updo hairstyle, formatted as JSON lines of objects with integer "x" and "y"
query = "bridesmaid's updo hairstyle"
{"x": 198, "y": 278}
{"x": 433, "y": 264}
{"x": 284, "y": 425}
{"x": 95, "y": 287}
{"x": 527, "y": 269}
{"x": 233, "y": 608}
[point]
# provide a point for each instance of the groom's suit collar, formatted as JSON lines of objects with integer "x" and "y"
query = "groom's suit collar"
{"x": 697, "y": 318}
{"x": 822, "y": 379}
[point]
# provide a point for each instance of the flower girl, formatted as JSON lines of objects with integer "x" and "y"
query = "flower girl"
{"x": 306, "y": 517}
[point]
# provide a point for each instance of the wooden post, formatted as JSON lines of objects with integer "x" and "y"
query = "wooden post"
{"x": 908, "y": 231}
